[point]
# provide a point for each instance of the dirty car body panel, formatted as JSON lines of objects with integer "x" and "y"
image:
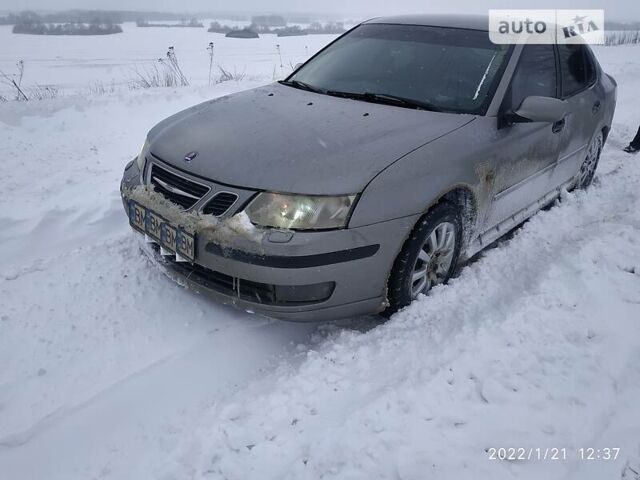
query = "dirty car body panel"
{"x": 393, "y": 163}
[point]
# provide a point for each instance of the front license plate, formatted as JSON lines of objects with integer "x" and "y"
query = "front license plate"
{"x": 169, "y": 236}
{"x": 137, "y": 216}
{"x": 185, "y": 245}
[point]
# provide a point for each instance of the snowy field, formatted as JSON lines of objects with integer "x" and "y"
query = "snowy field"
{"x": 77, "y": 65}
{"x": 108, "y": 370}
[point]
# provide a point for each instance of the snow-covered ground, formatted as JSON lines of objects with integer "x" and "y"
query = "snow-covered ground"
{"x": 109, "y": 370}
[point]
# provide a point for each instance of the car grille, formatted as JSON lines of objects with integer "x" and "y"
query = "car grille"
{"x": 221, "y": 282}
{"x": 176, "y": 188}
{"x": 245, "y": 289}
{"x": 219, "y": 204}
{"x": 235, "y": 287}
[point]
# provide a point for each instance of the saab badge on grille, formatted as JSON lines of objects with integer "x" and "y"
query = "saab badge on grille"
{"x": 190, "y": 156}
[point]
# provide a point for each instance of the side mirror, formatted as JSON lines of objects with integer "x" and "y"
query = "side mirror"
{"x": 540, "y": 109}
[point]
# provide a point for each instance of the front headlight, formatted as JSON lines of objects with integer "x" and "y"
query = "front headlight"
{"x": 143, "y": 154}
{"x": 300, "y": 212}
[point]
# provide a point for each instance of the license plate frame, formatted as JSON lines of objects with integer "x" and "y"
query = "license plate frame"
{"x": 169, "y": 236}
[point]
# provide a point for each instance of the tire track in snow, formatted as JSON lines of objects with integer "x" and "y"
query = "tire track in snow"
{"x": 148, "y": 410}
{"x": 110, "y": 344}
{"x": 20, "y": 438}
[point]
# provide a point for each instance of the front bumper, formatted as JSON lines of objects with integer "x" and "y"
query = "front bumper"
{"x": 300, "y": 276}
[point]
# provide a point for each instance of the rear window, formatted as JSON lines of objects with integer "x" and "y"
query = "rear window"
{"x": 578, "y": 69}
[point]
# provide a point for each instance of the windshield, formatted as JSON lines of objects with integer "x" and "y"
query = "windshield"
{"x": 451, "y": 69}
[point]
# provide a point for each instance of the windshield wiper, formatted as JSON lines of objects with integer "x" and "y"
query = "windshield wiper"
{"x": 408, "y": 102}
{"x": 386, "y": 99}
{"x": 301, "y": 85}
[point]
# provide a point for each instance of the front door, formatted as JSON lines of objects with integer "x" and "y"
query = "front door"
{"x": 523, "y": 170}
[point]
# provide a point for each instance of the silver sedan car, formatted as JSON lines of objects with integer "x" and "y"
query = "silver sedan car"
{"x": 368, "y": 175}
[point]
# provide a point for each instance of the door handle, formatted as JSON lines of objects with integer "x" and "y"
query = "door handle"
{"x": 596, "y": 107}
{"x": 558, "y": 126}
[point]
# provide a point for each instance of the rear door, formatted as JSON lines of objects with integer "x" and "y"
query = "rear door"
{"x": 526, "y": 152}
{"x": 579, "y": 75}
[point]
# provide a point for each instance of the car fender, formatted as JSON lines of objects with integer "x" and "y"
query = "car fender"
{"x": 416, "y": 182}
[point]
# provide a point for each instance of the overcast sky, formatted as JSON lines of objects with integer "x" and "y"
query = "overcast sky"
{"x": 614, "y": 9}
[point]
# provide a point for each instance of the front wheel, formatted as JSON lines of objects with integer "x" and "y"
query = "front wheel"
{"x": 429, "y": 256}
{"x": 588, "y": 167}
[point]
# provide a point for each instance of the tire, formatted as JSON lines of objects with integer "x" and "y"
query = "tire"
{"x": 401, "y": 287}
{"x": 588, "y": 168}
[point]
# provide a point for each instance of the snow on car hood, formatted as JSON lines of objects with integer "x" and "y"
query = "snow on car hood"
{"x": 284, "y": 139}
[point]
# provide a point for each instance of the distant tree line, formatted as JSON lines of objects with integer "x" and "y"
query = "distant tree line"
{"x": 32, "y": 23}
{"x": 244, "y": 33}
{"x": 268, "y": 21}
{"x": 217, "y": 27}
{"x": 292, "y": 31}
{"x": 315, "y": 28}
{"x": 70, "y": 16}
{"x": 193, "y": 23}
{"x": 327, "y": 28}
{"x": 617, "y": 26}
{"x": 87, "y": 16}
{"x": 9, "y": 19}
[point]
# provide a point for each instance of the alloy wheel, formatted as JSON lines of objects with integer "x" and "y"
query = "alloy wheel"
{"x": 434, "y": 259}
{"x": 588, "y": 167}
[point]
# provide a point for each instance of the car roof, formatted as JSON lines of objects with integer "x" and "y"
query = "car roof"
{"x": 474, "y": 22}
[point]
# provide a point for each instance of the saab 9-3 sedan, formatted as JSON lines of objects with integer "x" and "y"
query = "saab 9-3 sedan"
{"x": 363, "y": 179}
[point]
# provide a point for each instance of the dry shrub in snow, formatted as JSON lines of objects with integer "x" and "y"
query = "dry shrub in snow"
{"x": 169, "y": 74}
{"x": 38, "y": 92}
{"x": 227, "y": 75}
{"x": 43, "y": 92}
{"x": 15, "y": 81}
{"x": 101, "y": 88}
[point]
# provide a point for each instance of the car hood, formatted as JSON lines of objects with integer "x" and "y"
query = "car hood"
{"x": 284, "y": 139}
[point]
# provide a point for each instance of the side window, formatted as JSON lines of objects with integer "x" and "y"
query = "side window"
{"x": 578, "y": 69}
{"x": 590, "y": 66}
{"x": 535, "y": 75}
